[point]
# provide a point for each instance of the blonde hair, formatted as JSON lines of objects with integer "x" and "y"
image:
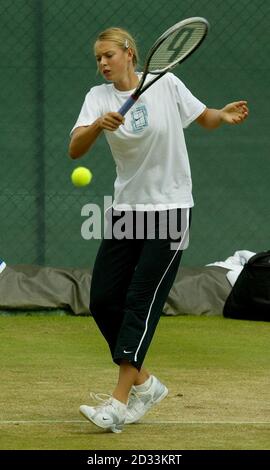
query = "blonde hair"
{"x": 121, "y": 38}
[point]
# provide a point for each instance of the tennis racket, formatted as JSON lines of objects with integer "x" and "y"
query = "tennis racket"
{"x": 173, "y": 47}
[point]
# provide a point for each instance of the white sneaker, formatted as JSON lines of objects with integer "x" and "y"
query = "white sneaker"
{"x": 140, "y": 402}
{"x": 111, "y": 414}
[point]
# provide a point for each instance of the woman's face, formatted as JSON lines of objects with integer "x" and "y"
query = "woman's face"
{"x": 113, "y": 62}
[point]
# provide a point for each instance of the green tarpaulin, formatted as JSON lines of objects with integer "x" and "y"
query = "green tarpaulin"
{"x": 196, "y": 291}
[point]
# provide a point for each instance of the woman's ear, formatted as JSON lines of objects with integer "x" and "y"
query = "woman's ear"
{"x": 130, "y": 54}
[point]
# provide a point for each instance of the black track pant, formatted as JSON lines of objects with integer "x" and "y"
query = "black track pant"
{"x": 131, "y": 282}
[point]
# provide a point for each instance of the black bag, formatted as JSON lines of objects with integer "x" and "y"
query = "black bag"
{"x": 250, "y": 296}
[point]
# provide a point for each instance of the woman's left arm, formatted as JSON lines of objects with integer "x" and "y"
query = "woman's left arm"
{"x": 232, "y": 113}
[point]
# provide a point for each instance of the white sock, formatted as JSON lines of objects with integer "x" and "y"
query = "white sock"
{"x": 145, "y": 386}
{"x": 120, "y": 404}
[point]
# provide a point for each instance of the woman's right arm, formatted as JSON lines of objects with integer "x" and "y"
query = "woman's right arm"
{"x": 83, "y": 137}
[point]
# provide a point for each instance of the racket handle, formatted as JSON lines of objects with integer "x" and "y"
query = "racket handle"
{"x": 127, "y": 105}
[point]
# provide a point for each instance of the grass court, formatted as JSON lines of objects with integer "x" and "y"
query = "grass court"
{"x": 217, "y": 372}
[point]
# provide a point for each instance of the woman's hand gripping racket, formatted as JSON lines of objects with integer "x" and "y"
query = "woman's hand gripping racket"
{"x": 173, "y": 47}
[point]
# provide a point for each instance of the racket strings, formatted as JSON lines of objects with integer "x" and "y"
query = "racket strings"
{"x": 176, "y": 46}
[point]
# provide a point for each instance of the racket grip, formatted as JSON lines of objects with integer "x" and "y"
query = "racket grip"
{"x": 127, "y": 105}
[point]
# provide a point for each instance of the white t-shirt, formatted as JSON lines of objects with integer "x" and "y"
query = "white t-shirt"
{"x": 149, "y": 150}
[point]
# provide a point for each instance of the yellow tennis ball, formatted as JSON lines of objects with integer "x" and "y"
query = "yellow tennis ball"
{"x": 81, "y": 176}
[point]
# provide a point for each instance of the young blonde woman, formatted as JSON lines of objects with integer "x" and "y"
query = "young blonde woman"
{"x": 133, "y": 275}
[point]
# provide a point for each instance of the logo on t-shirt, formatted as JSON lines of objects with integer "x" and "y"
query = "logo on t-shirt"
{"x": 139, "y": 118}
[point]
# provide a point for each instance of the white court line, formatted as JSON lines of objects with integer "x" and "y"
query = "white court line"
{"x": 78, "y": 421}
{"x": 207, "y": 422}
{"x": 42, "y": 421}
